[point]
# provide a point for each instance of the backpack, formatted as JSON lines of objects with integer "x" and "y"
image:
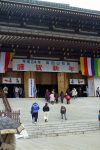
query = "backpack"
{"x": 63, "y": 109}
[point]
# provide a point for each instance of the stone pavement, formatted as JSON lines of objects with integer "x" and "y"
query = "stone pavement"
{"x": 88, "y": 141}
{"x": 80, "y": 109}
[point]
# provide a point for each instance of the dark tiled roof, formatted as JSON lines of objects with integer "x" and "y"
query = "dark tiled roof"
{"x": 55, "y": 5}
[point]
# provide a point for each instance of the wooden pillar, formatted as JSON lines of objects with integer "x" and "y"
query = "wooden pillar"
{"x": 67, "y": 81}
{"x": 28, "y": 75}
{"x": 62, "y": 82}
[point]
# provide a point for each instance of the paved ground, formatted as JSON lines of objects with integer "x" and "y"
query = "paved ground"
{"x": 88, "y": 141}
{"x": 80, "y": 109}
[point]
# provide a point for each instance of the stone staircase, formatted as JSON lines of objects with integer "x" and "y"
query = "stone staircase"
{"x": 77, "y": 123}
{"x": 60, "y": 128}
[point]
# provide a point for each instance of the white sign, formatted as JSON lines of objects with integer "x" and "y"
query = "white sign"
{"x": 91, "y": 87}
{"x": 77, "y": 81}
{"x": 31, "y": 87}
{"x": 8, "y": 80}
{"x": 44, "y": 66}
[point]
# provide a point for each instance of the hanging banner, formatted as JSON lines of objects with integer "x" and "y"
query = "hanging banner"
{"x": 91, "y": 90}
{"x": 77, "y": 81}
{"x": 90, "y": 66}
{"x": 8, "y": 80}
{"x": 45, "y": 66}
{"x": 5, "y": 59}
{"x": 31, "y": 87}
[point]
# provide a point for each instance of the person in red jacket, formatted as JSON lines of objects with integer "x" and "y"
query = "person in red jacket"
{"x": 67, "y": 97}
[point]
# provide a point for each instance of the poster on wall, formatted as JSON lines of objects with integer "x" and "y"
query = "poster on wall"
{"x": 30, "y": 87}
{"x": 77, "y": 81}
{"x": 8, "y": 80}
{"x": 45, "y": 66}
{"x": 90, "y": 87}
{"x": 96, "y": 83}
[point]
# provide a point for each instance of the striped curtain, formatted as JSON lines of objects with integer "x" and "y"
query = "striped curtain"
{"x": 90, "y": 66}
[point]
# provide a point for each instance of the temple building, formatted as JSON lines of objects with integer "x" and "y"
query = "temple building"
{"x": 47, "y": 45}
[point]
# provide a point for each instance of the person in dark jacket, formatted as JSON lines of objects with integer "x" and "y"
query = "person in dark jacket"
{"x": 62, "y": 96}
{"x": 34, "y": 111}
{"x": 97, "y": 92}
{"x": 63, "y": 112}
{"x": 46, "y": 110}
{"x": 47, "y": 95}
{"x": 56, "y": 97}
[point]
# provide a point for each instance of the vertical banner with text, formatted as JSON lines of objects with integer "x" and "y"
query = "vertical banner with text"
{"x": 31, "y": 87}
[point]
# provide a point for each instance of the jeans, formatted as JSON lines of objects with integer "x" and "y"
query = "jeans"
{"x": 63, "y": 115}
{"x": 35, "y": 116}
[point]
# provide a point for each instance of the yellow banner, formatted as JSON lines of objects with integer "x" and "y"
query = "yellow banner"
{"x": 82, "y": 65}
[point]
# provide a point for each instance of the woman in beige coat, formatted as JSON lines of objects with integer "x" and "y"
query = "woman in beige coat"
{"x": 7, "y": 142}
{"x": 74, "y": 93}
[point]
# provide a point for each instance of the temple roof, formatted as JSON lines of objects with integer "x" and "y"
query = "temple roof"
{"x": 44, "y": 29}
{"x": 54, "y": 5}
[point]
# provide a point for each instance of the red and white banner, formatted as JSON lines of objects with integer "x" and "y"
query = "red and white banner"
{"x": 5, "y": 58}
{"x": 44, "y": 66}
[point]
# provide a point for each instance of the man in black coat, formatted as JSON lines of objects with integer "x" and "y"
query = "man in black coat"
{"x": 46, "y": 110}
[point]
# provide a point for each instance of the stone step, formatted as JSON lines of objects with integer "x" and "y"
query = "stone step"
{"x": 56, "y": 129}
{"x": 82, "y": 117}
{"x": 60, "y": 132}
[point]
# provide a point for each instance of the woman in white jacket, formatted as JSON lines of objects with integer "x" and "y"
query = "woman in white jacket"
{"x": 74, "y": 93}
{"x": 52, "y": 97}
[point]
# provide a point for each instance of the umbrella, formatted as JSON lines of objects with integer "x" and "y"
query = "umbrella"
{"x": 8, "y": 125}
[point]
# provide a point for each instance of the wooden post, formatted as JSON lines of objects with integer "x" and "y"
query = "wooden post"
{"x": 62, "y": 82}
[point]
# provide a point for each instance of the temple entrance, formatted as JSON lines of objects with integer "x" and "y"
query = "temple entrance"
{"x": 81, "y": 89}
{"x": 11, "y": 89}
{"x": 41, "y": 89}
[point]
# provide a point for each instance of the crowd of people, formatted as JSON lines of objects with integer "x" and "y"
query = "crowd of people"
{"x": 17, "y": 91}
{"x": 8, "y": 141}
{"x": 53, "y": 96}
{"x": 35, "y": 109}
